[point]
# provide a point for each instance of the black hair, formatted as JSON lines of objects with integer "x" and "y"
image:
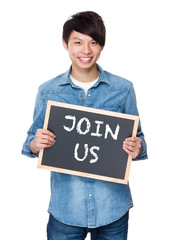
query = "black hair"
{"x": 89, "y": 23}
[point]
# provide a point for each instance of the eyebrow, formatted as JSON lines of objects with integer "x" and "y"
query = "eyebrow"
{"x": 76, "y": 38}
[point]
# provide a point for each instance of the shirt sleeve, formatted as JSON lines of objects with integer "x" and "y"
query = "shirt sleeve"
{"x": 130, "y": 107}
{"x": 38, "y": 121}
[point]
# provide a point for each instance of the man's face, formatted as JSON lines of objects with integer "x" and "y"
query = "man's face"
{"x": 83, "y": 50}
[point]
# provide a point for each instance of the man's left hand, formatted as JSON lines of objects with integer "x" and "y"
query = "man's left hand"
{"x": 132, "y": 146}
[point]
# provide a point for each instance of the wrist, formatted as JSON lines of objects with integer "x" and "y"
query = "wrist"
{"x": 33, "y": 148}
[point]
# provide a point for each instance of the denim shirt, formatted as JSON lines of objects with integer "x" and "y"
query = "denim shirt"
{"x": 81, "y": 201}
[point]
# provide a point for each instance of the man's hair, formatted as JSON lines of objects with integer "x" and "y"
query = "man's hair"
{"x": 88, "y": 23}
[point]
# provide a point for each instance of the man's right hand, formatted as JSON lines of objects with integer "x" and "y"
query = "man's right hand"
{"x": 43, "y": 139}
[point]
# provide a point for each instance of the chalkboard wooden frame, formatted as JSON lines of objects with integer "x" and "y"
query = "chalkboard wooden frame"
{"x": 117, "y": 115}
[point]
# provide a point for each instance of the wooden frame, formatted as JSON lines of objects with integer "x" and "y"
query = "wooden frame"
{"x": 90, "y": 110}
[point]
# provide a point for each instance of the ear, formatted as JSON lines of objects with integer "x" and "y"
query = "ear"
{"x": 65, "y": 45}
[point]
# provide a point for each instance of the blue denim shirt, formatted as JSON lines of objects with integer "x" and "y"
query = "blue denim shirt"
{"x": 81, "y": 201}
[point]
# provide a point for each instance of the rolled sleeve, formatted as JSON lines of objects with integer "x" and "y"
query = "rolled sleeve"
{"x": 26, "y": 147}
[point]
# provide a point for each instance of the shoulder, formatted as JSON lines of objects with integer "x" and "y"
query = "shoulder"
{"x": 52, "y": 85}
{"x": 117, "y": 82}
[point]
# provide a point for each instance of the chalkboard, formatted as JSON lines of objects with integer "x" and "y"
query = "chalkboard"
{"x": 88, "y": 142}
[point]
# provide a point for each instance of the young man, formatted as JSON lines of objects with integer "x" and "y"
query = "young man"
{"x": 79, "y": 204}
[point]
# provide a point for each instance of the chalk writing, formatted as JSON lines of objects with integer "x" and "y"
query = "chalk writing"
{"x": 73, "y": 125}
{"x": 76, "y": 152}
{"x": 97, "y": 134}
{"x": 84, "y": 122}
{"x": 94, "y": 154}
{"x": 86, "y": 153}
{"x": 108, "y": 130}
{"x": 79, "y": 130}
{"x": 88, "y": 125}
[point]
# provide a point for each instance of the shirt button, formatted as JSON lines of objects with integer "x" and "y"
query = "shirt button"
{"x": 90, "y": 195}
{"x": 81, "y": 96}
{"x": 89, "y": 95}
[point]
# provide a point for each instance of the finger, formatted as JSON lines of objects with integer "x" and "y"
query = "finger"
{"x": 130, "y": 148}
{"x": 47, "y": 140}
{"x": 132, "y": 145}
{"x": 45, "y": 132}
{"x": 133, "y": 140}
{"x": 41, "y": 146}
{"x": 49, "y": 133}
{"x": 133, "y": 154}
{"x": 126, "y": 150}
{"x": 42, "y": 138}
{"x": 47, "y": 136}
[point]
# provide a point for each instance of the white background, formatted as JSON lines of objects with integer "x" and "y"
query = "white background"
{"x": 139, "y": 48}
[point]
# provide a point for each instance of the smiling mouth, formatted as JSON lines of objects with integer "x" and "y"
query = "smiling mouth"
{"x": 85, "y": 60}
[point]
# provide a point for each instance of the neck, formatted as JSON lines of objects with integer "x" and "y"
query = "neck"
{"x": 85, "y": 75}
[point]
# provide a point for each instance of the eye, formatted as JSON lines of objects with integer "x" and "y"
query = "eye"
{"x": 93, "y": 43}
{"x": 77, "y": 43}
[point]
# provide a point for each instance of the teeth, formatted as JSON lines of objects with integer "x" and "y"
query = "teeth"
{"x": 86, "y": 59}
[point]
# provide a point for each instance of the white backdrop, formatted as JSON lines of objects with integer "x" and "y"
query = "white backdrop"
{"x": 139, "y": 48}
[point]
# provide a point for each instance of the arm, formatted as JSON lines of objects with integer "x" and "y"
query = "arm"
{"x": 134, "y": 146}
{"x": 37, "y": 138}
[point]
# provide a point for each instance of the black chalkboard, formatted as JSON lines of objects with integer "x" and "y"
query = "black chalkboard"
{"x": 88, "y": 142}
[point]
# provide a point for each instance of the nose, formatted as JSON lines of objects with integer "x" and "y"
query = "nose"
{"x": 86, "y": 48}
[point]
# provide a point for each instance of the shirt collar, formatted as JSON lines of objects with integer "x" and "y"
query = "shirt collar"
{"x": 66, "y": 77}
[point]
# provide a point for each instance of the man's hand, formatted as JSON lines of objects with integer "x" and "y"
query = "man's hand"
{"x": 133, "y": 146}
{"x": 43, "y": 139}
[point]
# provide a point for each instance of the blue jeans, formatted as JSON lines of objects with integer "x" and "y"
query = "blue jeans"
{"x": 115, "y": 231}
